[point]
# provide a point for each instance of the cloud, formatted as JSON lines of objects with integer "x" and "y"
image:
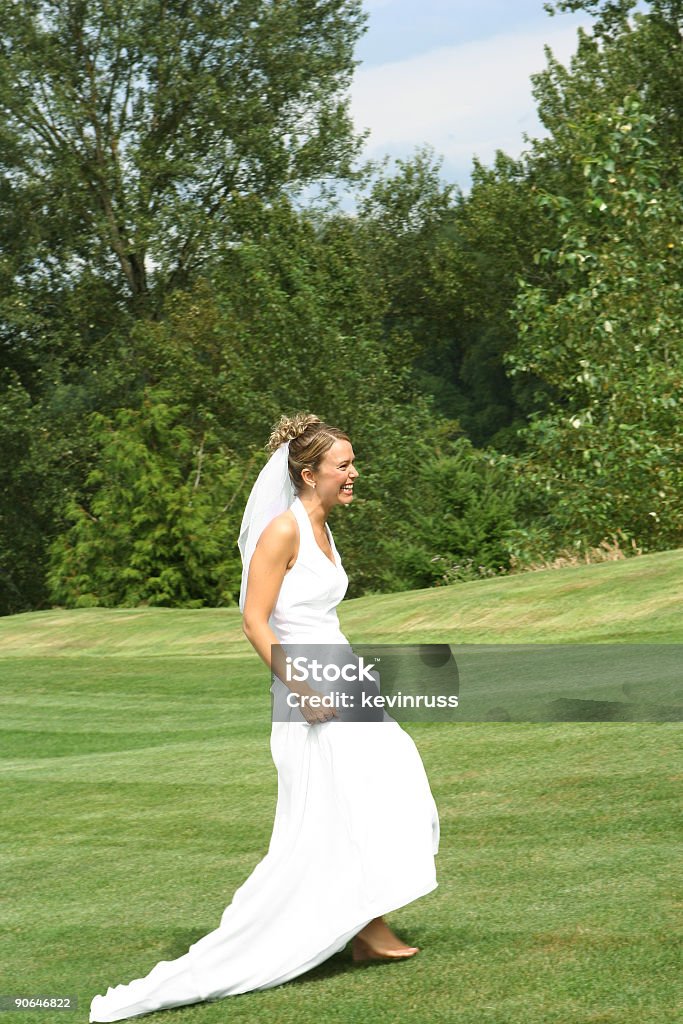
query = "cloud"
{"x": 466, "y": 99}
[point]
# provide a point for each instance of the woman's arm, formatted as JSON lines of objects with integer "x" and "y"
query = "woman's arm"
{"x": 275, "y": 549}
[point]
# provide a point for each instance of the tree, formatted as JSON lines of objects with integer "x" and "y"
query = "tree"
{"x": 132, "y": 133}
{"x": 129, "y": 126}
{"x": 642, "y": 56}
{"x": 459, "y": 528}
{"x": 495, "y": 231}
{"x": 290, "y": 320}
{"x": 446, "y": 266}
{"x": 267, "y": 328}
{"x": 29, "y": 485}
{"x": 606, "y": 454}
{"x": 611, "y": 15}
{"x": 158, "y": 524}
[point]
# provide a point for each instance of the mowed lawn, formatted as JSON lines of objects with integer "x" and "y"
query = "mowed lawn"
{"x": 138, "y": 792}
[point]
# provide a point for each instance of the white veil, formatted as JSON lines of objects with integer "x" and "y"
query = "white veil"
{"x": 272, "y": 494}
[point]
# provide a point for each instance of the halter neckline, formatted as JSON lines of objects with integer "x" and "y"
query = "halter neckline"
{"x": 334, "y": 563}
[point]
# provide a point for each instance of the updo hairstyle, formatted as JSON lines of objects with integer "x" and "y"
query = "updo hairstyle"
{"x": 309, "y": 439}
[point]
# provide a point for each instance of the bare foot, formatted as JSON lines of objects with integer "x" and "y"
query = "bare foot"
{"x": 377, "y": 942}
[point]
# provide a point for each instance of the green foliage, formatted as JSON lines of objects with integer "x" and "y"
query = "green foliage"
{"x": 607, "y": 453}
{"x": 162, "y": 302}
{"x": 611, "y": 15}
{"x": 495, "y": 232}
{"x": 22, "y": 504}
{"x": 618, "y": 58}
{"x": 129, "y": 127}
{"x": 446, "y": 265}
{"x": 287, "y": 321}
{"x": 403, "y": 232}
{"x": 460, "y": 508}
{"x": 158, "y": 525}
{"x": 44, "y": 452}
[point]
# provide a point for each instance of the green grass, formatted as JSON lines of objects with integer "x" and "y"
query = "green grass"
{"x": 138, "y": 793}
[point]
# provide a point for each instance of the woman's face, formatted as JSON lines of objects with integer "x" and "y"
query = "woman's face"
{"x": 336, "y": 474}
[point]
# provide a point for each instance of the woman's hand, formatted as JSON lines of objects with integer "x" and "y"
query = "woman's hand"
{"x": 310, "y": 705}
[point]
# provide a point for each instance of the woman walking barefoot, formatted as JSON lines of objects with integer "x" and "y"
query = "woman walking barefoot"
{"x": 356, "y": 826}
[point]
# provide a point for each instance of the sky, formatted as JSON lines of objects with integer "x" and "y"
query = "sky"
{"x": 455, "y": 74}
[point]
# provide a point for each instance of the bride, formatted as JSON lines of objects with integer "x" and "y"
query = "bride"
{"x": 356, "y": 826}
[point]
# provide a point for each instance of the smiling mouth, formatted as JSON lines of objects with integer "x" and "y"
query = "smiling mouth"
{"x": 348, "y": 488}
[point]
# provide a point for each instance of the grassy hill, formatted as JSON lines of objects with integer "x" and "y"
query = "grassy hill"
{"x": 138, "y": 793}
{"x": 637, "y": 600}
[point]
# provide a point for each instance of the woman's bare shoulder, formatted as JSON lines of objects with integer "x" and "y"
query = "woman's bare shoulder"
{"x": 281, "y": 533}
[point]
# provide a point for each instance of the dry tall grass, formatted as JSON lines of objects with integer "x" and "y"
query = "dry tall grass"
{"x": 607, "y": 551}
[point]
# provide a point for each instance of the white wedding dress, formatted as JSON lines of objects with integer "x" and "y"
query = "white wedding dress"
{"x": 355, "y": 833}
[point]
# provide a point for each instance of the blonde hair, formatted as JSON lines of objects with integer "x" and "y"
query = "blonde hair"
{"x": 309, "y": 438}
